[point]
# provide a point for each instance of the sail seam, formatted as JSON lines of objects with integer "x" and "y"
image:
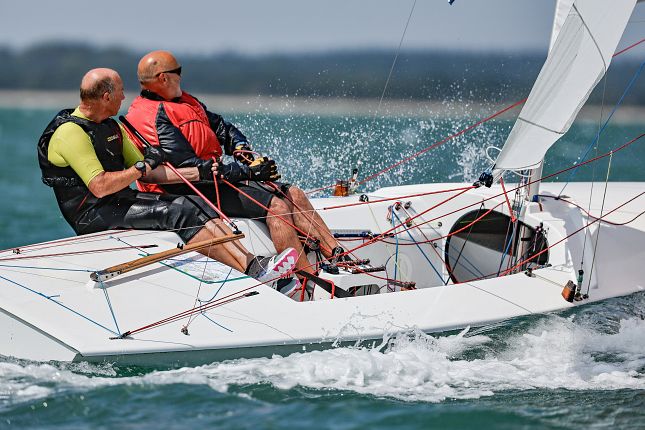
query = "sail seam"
{"x": 519, "y": 118}
{"x": 593, "y": 39}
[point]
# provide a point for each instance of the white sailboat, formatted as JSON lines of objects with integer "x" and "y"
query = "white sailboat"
{"x": 441, "y": 268}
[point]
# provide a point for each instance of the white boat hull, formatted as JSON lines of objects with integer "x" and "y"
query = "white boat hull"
{"x": 49, "y": 310}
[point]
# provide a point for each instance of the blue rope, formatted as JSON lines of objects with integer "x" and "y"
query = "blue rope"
{"x": 595, "y": 140}
{"x": 215, "y": 322}
{"x": 107, "y": 299}
{"x": 474, "y": 270}
{"x": 508, "y": 246}
{"x": 220, "y": 287}
{"x": 420, "y": 250}
{"x": 59, "y": 304}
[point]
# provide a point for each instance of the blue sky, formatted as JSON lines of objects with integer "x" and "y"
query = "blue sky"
{"x": 267, "y": 26}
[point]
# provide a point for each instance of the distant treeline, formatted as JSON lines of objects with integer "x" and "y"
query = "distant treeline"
{"x": 350, "y": 74}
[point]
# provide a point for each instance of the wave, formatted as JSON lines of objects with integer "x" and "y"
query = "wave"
{"x": 553, "y": 352}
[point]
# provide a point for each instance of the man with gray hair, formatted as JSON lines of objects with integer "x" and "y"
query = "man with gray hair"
{"x": 90, "y": 162}
{"x": 192, "y": 136}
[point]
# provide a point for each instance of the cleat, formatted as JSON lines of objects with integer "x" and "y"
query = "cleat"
{"x": 337, "y": 257}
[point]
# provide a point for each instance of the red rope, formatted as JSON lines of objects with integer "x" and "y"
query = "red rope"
{"x": 441, "y": 142}
{"x": 625, "y": 145}
{"x": 589, "y": 214}
{"x": 89, "y": 251}
{"x": 382, "y": 235}
{"x": 216, "y": 185}
{"x": 465, "y": 130}
{"x": 508, "y": 202}
{"x": 304, "y": 213}
{"x": 536, "y": 180}
{"x": 434, "y": 145}
{"x": 568, "y": 236}
{"x": 628, "y": 48}
{"x": 271, "y": 212}
{"x": 56, "y": 243}
{"x": 197, "y": 309}
{"x": 396, "y": 198}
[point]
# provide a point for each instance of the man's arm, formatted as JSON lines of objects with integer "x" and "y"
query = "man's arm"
{"x": 106, "y": 183}
{"x": 165, "y": 175}
{"x": 71, "y": 146}
{"x": 161, "y": 174}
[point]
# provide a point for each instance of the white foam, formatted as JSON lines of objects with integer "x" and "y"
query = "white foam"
{"x": 555, "y": 353}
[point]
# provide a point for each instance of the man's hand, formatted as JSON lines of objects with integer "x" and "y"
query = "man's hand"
{"x": 206, "y": 170}
{"x": 232, "y": 170}
{"x": 264, "y": 169}
{"x": 153, "y": 156}
{"x": 243, "y": 153}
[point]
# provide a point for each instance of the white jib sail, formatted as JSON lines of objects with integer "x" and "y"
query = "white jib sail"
{"x": 578, "y": 60}
{"x": 562, "y": 8}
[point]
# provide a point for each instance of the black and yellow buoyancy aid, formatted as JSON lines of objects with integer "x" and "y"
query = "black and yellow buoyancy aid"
{"x": 71, "y": 193}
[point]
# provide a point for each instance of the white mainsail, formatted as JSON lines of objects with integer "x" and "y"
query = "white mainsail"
{"x": 579, "y": 58}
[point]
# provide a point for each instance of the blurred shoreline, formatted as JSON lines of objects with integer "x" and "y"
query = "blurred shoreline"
{"x": 231, "y": 104}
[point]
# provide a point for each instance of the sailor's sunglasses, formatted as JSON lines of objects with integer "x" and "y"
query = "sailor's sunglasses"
{"x": 176, "y": 71}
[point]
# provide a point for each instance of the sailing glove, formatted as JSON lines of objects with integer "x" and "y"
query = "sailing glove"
{"x": 264, "y": 169}
{"x": 243, "y": 153}
{"x": 153, "y": 156}
{"x": 206, "y": 170}
{"x": 232, "y": 170}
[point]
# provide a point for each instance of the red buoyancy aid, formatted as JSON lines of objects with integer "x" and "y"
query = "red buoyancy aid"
{"x": 187, "y": 114}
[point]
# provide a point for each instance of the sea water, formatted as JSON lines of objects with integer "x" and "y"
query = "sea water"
{"x": 576, "y": 369}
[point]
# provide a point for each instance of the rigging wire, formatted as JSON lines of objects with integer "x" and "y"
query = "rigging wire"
{"x": 445, "y": 282}
{"x": 396, "y": 56}
{"x": 243, "y": 293}
{"x": 51, "y": 298}
{"x": 599, "y": 219}
{"x": 389, "y": 76}
{"x": 465, "y": 130}
{"x": 593, "y": 174}
{"x": 628, "y": 88}
{"x": 619, "y": 148}
{"x": 109, "y": 303}
{"x": 602, "y": 208}
{"x": 571, "y": 234}
{"x": 434, "y": 245}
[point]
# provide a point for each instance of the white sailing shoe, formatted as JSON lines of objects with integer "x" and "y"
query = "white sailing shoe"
{"x": 278, "y": 266}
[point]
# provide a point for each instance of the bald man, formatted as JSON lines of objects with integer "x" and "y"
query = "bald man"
{"x": 191, "y": 135}
{"x": 89, "y": 161}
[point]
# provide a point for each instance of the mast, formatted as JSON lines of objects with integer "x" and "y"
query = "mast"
{"x": 562, "y": 8}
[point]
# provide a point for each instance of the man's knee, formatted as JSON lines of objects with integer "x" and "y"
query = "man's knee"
{"x": 279, "y": 206}
{"x": 297, "y": 195}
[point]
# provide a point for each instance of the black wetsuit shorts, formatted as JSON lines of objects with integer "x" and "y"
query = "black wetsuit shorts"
{"x": 129, "y": 209}
{"x": 234, "y": 203}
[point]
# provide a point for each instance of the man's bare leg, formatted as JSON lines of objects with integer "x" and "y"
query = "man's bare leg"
{"x": 283, "y": 235}
{"x": 305, "y": 220}
{"x": 232, "y": 254}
